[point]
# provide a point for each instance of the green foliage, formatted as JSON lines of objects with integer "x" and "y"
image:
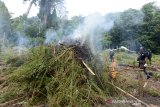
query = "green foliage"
{"x": 69, "y": 26}
{"x": 4, "y": 19}
{"x": 157, "y": 76}
{"x": 126, "y": 29}
{"x": 116, "y": 36}
{"x": 29, "y": 28}
{"x": 148, "y": 38}
{"x": 36, "y": 41}
{"x": 15, "y": 61}
{"x": 33, "y": 27}
{"x": 148, "y": 10}
{"x": 5, "y": 26}
{"x": 137, "y": 27}
{"x": 17, "y": 24}
{"x": 106, "y": 40}
{"x": 152, "y": 92}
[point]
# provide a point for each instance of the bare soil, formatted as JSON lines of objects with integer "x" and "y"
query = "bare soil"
{"x": 131, "y": 73}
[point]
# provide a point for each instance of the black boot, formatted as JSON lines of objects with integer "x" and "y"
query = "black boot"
{"x": 148, "y": 77}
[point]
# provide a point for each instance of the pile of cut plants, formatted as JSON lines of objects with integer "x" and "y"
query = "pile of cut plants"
{"x": 58, "y": 76}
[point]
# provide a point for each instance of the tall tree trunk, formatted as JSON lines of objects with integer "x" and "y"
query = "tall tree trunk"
{"x": 45, "y": 12}
{"x": 29, "y": 8}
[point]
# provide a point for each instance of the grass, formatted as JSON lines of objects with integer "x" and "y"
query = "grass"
{"x": 152, "y": 92}
{"x": 156, "y": 59}
{"x": 121, "y": 57}
{"x": 126, "y": 58}
{"x": 157, "y": 76}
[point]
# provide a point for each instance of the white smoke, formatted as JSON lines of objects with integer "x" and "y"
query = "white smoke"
{"x": 22, "y": 43}
{"x": 22, "y": 40}
{"x": 2, "y": 42}
{"x": 51, "y": 37}
{"x": 90, "y": 31}
{"x": 4, "y": 30}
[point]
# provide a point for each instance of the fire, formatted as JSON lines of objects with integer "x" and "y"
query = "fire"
{"x": 113, "y": 66}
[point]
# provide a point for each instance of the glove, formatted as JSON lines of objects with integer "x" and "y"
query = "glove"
{"x": 145, "y": 65}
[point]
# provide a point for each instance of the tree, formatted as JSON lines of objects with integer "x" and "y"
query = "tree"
{"x": 156, "y": 32}
{"x": 29, "y": 8}
{"x": 69, "y": 26}
{"x": 106, "y": 40}
{"x": 5, "y": 28}
{"x": 4, "y": 19}
{"x": 116, "y": 35}
{"x": 126, "y": 28}
{"x": 149, "y": 36}
{"x": 47, "y": 12}
{"x": 138, "y": 27}
{"x": 17, "y": 24}
{"x": 32, "y": 28}
{"x": 148, "y": 10}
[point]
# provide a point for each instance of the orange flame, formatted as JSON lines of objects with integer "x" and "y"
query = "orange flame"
{"x": 113, "y": 66}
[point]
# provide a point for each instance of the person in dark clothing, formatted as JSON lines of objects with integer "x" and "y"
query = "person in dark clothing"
{"x": 111, "y": 55}
{"x": 149, "y": 55}
{"x": 142, "y": 58}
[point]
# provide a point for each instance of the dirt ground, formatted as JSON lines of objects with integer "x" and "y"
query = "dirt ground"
{"x": 131, "y": 73}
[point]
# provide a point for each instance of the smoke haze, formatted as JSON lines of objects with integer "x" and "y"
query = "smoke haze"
{"x": 90, "y": 31}
{"x": 51, "y": 37}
